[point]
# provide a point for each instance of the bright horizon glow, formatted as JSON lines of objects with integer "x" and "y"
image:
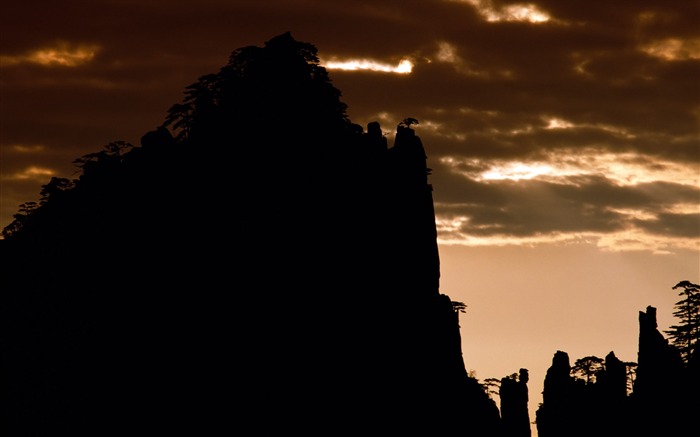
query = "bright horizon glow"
{"x": 405, "y": 66}
{"x": 629, "y": 240}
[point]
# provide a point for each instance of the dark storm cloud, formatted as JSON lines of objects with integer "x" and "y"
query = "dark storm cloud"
{"x": 645, "y": 117}
{"x": 678, "y": 225}
{"x": 453, "y": 188}
{"x": 541, "y": 217}
{"x": 620, "y": 76}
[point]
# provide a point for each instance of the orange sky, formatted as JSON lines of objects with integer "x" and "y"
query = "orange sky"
{"x": 564, "y": 137}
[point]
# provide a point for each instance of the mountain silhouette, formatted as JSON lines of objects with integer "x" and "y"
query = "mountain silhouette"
{"x": 258, "y": 262}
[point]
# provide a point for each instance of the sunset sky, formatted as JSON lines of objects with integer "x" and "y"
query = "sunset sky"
{"x": 563, "y": 137}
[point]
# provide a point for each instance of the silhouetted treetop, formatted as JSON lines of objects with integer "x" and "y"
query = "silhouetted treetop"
{"x": 408, "y": 122}
{"x": 587, "y": 368}
{"x": 458, "y": 306}
{"x": 271, "y": 100}
{"x": 277, "y": 86}
{"x": 686, "y": 335}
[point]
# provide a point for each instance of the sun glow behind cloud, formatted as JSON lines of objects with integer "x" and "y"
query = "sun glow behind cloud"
{"x": 31, "y": 172}
{"x": 622, "y": 168}
{"x": 673, "y": 49}
{"x": 622, "y": 241}
{"x": 405, "y": 66}
{"x": 62, "y": 54}
{"x": 22, "y": 148}
{"x": 448, "y": 53}
{"x": 517, "y": 171}
{"x": 525, "y": 12}
{"x": 557, "y": 123}
{"x": 661, "y": 226}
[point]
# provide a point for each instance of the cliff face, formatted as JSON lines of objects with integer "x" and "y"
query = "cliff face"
{"x": 272, "y": 265}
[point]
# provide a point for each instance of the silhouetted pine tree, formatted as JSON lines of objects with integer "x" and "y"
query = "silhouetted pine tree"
{"x": 686, "y": 335}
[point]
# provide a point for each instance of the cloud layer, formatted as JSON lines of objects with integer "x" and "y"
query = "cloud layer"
{"x": 544, "y": 121}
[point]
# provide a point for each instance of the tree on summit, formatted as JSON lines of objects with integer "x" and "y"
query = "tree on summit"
{"x": 20, "y": 219}
{"x": 55, "y": 186}
{"x": 200, "y": 99}
{"x": 113, "y": 151}
{"x": 459, "y": 307}
{"x": 586, "y": 368}
{"x": 408, "y": 122}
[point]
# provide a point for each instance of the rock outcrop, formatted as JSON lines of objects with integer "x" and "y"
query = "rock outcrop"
{"x": 514, "y": 396}
{"x": 660, "y": 402}
{"x": 661, "y": 398}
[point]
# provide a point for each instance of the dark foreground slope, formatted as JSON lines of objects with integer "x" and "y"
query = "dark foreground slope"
{"x": 259, "y": 261}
